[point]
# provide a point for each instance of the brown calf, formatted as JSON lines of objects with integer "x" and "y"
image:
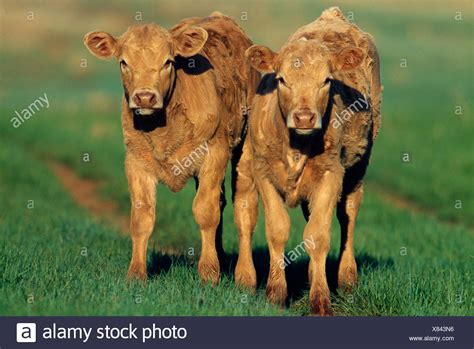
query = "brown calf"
{"x": 185, "y": 95}
{"x": 311, "y": 129}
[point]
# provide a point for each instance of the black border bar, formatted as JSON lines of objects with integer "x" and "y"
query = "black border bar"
{"x": 249, "y": 332}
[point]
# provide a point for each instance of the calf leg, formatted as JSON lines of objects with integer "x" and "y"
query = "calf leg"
{"x": 142, "y": 189}
{"x": 347, "y": 210}
{"x": 317, "y": 239}
{"x": 207, "y": 211}
{"x": 245, "y": 216}
{"x": 277, "y": 229}
{"x": 219, "y": 230}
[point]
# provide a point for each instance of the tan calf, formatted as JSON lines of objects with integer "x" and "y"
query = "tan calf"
{"x": 311, "y": 128}
{"x": 186, "y": 91}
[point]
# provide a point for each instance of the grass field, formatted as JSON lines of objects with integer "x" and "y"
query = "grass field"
{"x": 414, "y": 239}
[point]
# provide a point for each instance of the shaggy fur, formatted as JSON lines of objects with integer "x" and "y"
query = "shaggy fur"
{"x": 186, "y": 92}
{"x": 313, "y": 81}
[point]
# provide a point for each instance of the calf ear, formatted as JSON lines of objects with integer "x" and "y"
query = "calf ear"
{"x": 101, "y": 44}
{"x": 260, "y": 58}
{"x": 347, "y": 58}
{"x": 190, "y": 41}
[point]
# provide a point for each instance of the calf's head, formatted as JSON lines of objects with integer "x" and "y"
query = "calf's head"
{"x": 303, "y": 73}
{"x": 146, "y": 55}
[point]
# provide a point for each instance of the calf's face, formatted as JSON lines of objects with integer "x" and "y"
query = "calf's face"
{"x": 303, "y": 73}
{"x": 146, "y": 55}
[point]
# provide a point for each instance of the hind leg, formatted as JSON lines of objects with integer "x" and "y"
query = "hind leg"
{"x": 347, "y": 210}
{"x": 207, "y": 212}
{"x": 245, "y": 216}
{"x": 219, "y": 231}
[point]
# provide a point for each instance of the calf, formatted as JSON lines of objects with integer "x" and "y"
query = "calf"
{"x": 186, "y": 91}
{"x": 311, "y": 129}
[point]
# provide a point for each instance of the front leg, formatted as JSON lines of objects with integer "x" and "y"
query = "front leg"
{"x": 207, "y": 213}
{"x": 317, "y": 235}
{"x": 277, "y": 230}
{"x": 142, "y": 187}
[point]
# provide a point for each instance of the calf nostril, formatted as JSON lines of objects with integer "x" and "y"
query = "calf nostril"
{"x": 153, "y": 99}
{"x": 145, "y": 99}
{"x": 304, "y": 119}
{"x": 298, "y": 120}
{"x": 137, "y": 99}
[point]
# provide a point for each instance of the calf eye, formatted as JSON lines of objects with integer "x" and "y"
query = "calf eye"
{"x": 168, "y": 64}
{"x": 123, "y": 64}
{"x": 281, "y": 80}
{"x": 327, "y": 81}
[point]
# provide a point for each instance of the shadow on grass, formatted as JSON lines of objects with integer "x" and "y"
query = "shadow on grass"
{"x": 296, "y": 272}
{"x": 160, "y": 263}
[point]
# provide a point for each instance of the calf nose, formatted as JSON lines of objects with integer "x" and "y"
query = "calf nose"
{"x": 304, "y": 119}
{"x": 145, "y": 99}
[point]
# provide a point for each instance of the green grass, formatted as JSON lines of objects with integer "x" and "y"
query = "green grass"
{"x": 43, "y": 267}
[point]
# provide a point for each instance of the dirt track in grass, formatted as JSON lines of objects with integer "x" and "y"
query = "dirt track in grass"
{"x": 86, "y": 193}
{"x": 404, "y": 203}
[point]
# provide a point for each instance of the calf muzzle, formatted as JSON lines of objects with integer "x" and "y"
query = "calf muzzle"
{"x": 306, "y": 119}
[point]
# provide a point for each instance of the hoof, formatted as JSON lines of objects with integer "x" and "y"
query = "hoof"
{"x": 276, "y": 293}
{"x": 209, "y": 272}
{"x": 246, "y": 278}
{"x": 137, "y": 272}
{"x": 321, "y": 306}
{"x": 347, "y": 278}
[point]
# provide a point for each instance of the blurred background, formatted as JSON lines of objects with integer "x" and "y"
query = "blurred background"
{"x": 67, "y": 162}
